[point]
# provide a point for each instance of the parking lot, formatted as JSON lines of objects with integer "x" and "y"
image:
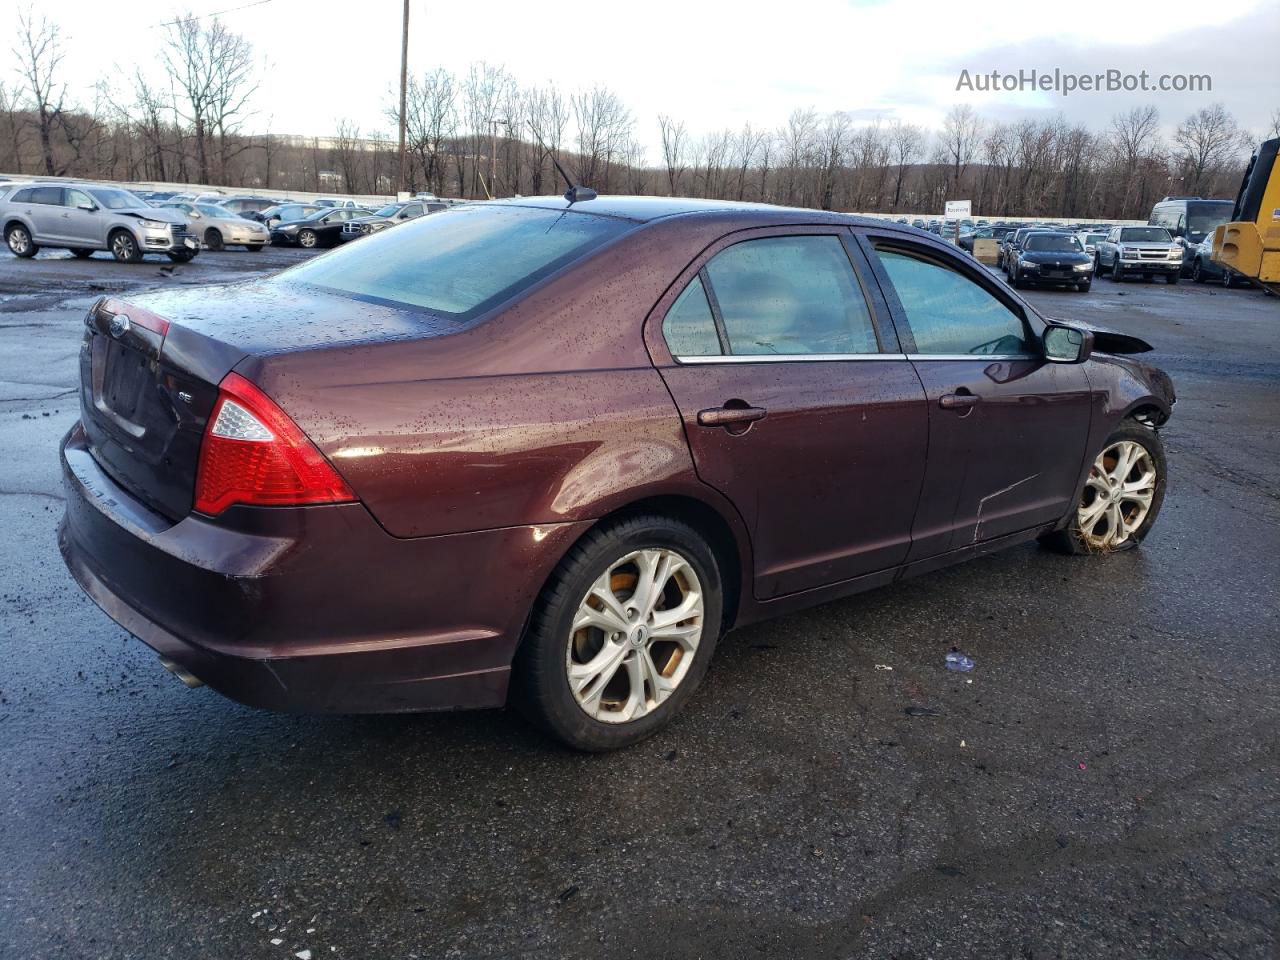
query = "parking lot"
{"x": 1106, "y": 782}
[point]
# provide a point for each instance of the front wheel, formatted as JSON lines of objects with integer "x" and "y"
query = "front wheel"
{"x": 622, "y": 634}
{"x": 307, "y": 238}
{"x": 1121, "y": 497}
{"x": 1116, "y": 274}
{"x": 1197, "y": 274}
{"x": 19, "y": 240}
{"x": 182, "y": 256}
{"x": 124, "y": 247}
{"x": 1084, "y": 287}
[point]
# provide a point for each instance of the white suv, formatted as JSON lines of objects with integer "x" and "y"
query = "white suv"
{"x": 85, "y": 217}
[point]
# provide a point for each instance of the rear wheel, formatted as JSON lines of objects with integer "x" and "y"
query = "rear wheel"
{"x": 1122, "y": 494}
{"x": 622, "y": 634}
{"x": 81, "y": 253}
{"x": 213, "y": 239}
{"x": 19, "y": 240}
{"x": 1197, "y": 275}
{"x": 124, "y": 247}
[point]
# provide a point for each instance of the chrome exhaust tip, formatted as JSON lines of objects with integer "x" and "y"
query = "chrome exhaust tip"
{"x": 186, "y": 676}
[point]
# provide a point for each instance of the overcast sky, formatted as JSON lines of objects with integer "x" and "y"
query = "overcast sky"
{"x": 714, "y": 64}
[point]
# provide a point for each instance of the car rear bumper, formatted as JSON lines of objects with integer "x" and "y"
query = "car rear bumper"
{"x": 313, "y": 609}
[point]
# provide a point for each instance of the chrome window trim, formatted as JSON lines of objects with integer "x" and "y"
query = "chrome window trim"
{"x": 974, "y": 356}
{"x": 788, "y": 357}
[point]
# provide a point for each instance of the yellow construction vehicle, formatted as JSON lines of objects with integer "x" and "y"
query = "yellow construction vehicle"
{"x": 1250, "y": 243}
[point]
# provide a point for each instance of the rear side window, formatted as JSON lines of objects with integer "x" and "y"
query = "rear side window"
{"x": 950, "y": 314}
{"x": 689, "y": 327}
{"x": 460, "y": 264}
{"x": 49, "y": 195}
{"x": 792, "y": 295}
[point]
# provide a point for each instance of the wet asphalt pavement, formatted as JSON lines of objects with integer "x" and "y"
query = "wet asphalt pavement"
{"x": 1105, "y": 783}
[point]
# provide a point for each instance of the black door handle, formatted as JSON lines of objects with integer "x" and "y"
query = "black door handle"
{"x": 730, "y": 416}
{"x": 958, "y": 401}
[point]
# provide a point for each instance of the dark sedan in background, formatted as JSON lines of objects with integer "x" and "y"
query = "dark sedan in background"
{"x": 1050, "y": 259}
{"x": 284, "y": 212}
{"x": 553, "y": 450}
{"x": 323, "y": 228}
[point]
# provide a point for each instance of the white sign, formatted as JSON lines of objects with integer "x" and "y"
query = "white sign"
{"x": 958, "y": 209}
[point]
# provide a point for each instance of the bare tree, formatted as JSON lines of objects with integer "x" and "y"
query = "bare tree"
{"x": 961, "y": 131}
{"x": 213, "y": 68}
{"x": 906, "y": 144}
{"x": 431, "y": 118}
{"x": 1134, "y": 137}
{"x": 1208, "y": 140}
{"x": 673, "y": 147}
{"x": 39, "y": 54}
{"x": 604, "y": 125}
{"x": 1275, "y": 124}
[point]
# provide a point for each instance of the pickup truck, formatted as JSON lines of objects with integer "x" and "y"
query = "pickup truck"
{"x": 1138, "y": 251}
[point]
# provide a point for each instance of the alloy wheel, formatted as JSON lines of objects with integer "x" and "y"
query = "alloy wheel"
{"x": 19, "y": 240}
{"x": 122, "y": 246}
{"x": 307, "y": 239}
{"x": 1117, "y": 495}
{"x": 634, "y": 635}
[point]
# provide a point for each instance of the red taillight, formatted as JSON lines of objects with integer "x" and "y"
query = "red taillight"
{"x": 253, "y": 453}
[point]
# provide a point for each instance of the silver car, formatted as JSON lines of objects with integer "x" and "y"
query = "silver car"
{"x": 217, "y": 227}
{"x": 86, "y": 217}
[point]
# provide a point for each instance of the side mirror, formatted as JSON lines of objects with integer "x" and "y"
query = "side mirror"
{"x": 88, "y": 207}
{"x": 1067, "y": 344}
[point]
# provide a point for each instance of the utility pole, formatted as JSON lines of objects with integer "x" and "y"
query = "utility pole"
{"x": 403, "y": 183}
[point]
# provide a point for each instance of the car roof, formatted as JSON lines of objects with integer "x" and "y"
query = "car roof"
{"x": 646, "y": 209}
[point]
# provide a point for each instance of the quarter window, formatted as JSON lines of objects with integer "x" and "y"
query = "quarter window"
{"x": 689, "y": 327}
{"x": 950, "y": 314}
{"x": 793, "y": 295}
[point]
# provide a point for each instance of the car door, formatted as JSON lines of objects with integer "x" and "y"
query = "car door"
{"x": 45, "y": 210}
{"x": 82, "y": 220}
{"x": 797, "y": 402}
{"x": 1007, "y": 428}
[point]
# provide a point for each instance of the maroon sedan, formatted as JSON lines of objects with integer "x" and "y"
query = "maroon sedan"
{"x": 551, "y": 452}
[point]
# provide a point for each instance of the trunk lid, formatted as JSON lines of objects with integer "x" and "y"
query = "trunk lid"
{"x": 148, "y": 384}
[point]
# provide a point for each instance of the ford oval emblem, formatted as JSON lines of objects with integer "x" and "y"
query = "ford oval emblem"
{"x": 119, "y": 325}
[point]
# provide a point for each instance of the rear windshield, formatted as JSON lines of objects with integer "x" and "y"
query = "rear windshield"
{"x": 460, "y": 263}
{"x": 1151, "y": 234}
{"x": 1052, "y": 243}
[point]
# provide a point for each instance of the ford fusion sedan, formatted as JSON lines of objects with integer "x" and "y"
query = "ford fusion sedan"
{"x": 323, "y": 228}
{"x": 85, "y": 218}
{"x": 547, "y": 453}
{"x": 1051, "y": 259}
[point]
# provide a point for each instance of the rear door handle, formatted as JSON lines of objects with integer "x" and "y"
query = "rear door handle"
{"x": 958, "y": 401}
{"x": 730, "y": 416}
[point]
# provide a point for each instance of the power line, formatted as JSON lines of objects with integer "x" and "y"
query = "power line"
{"x": 206, "y": 16}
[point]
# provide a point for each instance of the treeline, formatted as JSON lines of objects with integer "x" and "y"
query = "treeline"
{"x": 485, "y": 134}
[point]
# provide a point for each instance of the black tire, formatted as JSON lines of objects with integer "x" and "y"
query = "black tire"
{"x": 81, "y": 253}
{"x": 1069, "y": 538}
{"x": 255, "y": 247}
{"x": 182, "y": 256}
{"x": 1172, "y": 279}
{"x": 1197, "y": 274}
{"x": 1117, "y": 274}
{"x": 1227, "y": 278}
{"x": 18, "y": 239}
{"x": 1084, "y": 287}
{"x": 213, "y": 239}
{"x": 1015, "y": 281}
{"x": 540, "y": 682}
{"x": 307, "y": 239}
{"x": 124, "y": 247}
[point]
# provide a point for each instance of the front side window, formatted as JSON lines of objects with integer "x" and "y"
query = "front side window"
{"x": 792, "y": 295}
{"x": 948, "y": 313}
{"x": 460, "y": 264}
{"x": 78, "y": 198}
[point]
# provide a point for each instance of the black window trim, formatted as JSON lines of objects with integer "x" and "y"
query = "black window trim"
{"x": 877, "y": 309}
{"x": 868, "y": 239}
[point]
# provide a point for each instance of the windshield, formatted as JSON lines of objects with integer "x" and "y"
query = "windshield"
{"x": 118, "y": 199}
{"x": 1151, "y": 234}
{"x": 388, "y": 211}
{"x": 209, "y": 210}
{"x": 1051, "y": 243}
{"x": 1204, "y": 217}
{"x": 461, "y": 263}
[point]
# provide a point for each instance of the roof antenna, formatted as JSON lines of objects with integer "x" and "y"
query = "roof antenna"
{"x": 575, "y": 193}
